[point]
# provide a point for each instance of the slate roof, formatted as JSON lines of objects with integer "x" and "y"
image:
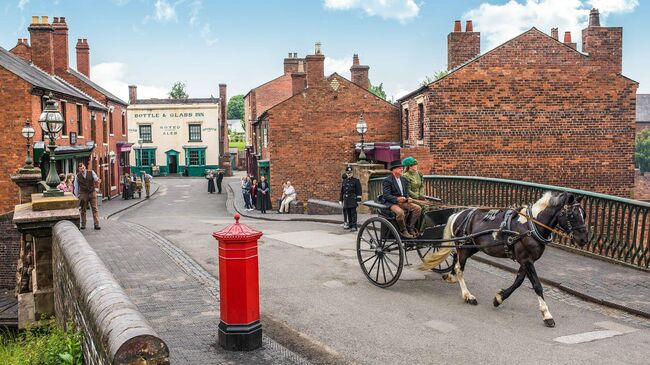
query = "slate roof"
{"x": 643, "y": 107}
{"x": 83, "y": 78}
{"x": 178, "y": 101}
{"x": 35, "y": 76}
{"x": 92, "y": 102}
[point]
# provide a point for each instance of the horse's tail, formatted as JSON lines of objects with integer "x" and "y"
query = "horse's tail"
{"x": 434, "y": 258}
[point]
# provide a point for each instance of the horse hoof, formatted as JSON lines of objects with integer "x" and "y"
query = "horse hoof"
{"x": 498, "y": 299}
{"x": 496, "y": 302}
{"x": 549, "y": 322}
{"x": 472, "y": 301}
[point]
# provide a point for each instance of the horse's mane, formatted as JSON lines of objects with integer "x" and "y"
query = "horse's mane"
{"x": 548, "y": 199}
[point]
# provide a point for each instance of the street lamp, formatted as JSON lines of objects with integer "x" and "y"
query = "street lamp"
{"x": 51, "y": 122}
{"x": 28, "y": 132}
{"x": 362, "y": 128}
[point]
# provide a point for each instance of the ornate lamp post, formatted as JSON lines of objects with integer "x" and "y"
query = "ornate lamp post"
{"x": 28, "y": 133}
{"x": 51, "y": 122}
{"x": 362, "y": 128}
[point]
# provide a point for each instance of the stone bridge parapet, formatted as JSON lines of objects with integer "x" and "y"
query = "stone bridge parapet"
{"x": 86, "y": 293}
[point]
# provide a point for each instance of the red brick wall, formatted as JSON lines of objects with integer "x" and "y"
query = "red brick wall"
{"x": 264, "y": 97}
{"x": 15, "y": 110}
{"x": 534, "y": 110}
{"x": 641, "y": 186}
{"x": 313, "y": 133}
{"x": 425, "y": 161}
{"x": 22, "y": 50}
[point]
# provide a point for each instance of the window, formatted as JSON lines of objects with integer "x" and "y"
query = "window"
{"x": 123, "y": 124}
{"x": 110, "y": 122}
{"x": 145, "y": 133}
{"x": 195, "y": 156}
{"x": 406, "y": 124}
{"x": 195, "y": 133}
{"x": 145, "y": 157}
{"x": 265, "y": 132}
{"x": 104, "y": 128}
{"x": 79, "y": 123}
{"x": 421, "y": 120}
{"x": 64, "y": 131}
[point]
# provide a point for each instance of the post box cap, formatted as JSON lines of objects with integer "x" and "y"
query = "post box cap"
{"x": 237, "y": 232}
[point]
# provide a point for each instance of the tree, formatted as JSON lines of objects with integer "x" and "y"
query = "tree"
{"x": 437, "y": 75}
{"x": 178, "y": 91}
{"x": 377, "y": 90}
{"x": 236, "y": 107}
{"x": 642, "y": 150}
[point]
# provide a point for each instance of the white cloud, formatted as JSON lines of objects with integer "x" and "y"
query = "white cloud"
{"x": 402, "y": 10}
{"x": 164, "y": 11}
{"x": 338, "y": 65}
{"x": 22, "y": 4}
{"x": 113, "y": 75}
{"x": 195, "y": 8}
{"x": 206, "y": 34}
{"x": 499, "y": 23}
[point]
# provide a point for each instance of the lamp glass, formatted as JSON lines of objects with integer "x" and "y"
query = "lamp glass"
{"x": 362, "y": 127}
{"x": 28, "y": 132}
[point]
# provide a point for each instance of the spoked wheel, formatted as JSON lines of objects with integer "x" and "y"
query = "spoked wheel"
{"x": 445, "y": 266}
{"x": 380, "y": 252}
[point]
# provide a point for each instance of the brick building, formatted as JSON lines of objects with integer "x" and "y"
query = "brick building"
{"x": 308, "y": 136}
{"x": 263, "y": 97}
{"x": 532, "y": 109}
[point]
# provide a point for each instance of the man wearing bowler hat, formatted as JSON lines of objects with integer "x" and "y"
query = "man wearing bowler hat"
{"x": 350, "y": 196}
{"x": 395, "y": 194}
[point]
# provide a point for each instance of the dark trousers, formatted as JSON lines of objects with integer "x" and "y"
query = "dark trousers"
{"x": 247, "y": 200}
{"x": 351, "y": 215}
{"x": 219, "y": 186}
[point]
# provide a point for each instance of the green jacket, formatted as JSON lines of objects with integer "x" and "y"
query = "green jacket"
{"x": 415, "y": 183}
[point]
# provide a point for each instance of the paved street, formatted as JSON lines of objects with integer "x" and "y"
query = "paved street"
{"x": 315, "y": 301}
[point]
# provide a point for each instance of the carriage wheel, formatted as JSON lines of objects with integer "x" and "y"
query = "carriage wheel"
{"x": 380, "y": 252}
{"x": 446, "y": 266}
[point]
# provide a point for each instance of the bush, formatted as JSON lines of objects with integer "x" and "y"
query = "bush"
{"x": 642, "y": 151}
{"x": 45, "y": 344}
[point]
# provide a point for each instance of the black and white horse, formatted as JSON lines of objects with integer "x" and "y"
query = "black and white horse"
{"x": 523, "y": 239}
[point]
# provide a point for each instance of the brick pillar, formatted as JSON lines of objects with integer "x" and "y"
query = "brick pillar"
{"x": 462, "y": 46}
{"x": 224, "y": 147}
{"x": 133, "y": 94}
{"x": 60, "y": 45}
{"x": 83, "y": 57}
{"x": 359, "y": 73}
{"x": 22, "y": 49}
{"x": 41, "y": 32}
{"x": 315, "y": 66}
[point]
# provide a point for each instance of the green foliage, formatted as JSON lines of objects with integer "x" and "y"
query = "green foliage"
{"x": 241, "y": 145}
{"x": 236, "y": 107}
{"x": 45, "y": 344}
{"x": 178, "y": 91}
{"x": 642, "y": 150}
{"x": 437, "y": 75}
{"x": 377, "y": 90}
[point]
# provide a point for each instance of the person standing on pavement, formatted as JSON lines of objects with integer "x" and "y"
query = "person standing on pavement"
{"x": 254, "y": 193}
{"x": 246, "y": 188}
{"x": 349, "y": 198}
{"x": 210, "y": 177}
{"x": 126, "y": 187}
{"x": 146, "y": 178}
{"x": 263, "y": 195}
{"x": 220, "y": 173}
{"x": 85, "y": 186}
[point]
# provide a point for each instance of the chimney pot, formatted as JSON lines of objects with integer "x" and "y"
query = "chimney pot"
{"x": 289, "y": 56}
{"x": 554, "y": 34}
{"x": 468, "y": 26}
{"x": 457, "y": 26}
{"x": 34, "y": 19}
{"x": 62, "y": 19}
{"x": 594, "y": 18}
{"x": 56, "y": 19}
{"x": 317, "y": 48}
{"x": 355, "y": 59}
{"x": 567, "y": 37}
{"x": 44, "y": 20}
{"x": 295, "y": 54}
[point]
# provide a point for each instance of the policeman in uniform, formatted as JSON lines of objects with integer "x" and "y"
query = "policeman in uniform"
{"x": 350, "y": 195}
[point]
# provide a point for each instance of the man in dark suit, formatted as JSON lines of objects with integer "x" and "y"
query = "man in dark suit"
{"x": 395, "y": 194}
{"x": 220, "y": 173}
{"x": 350, "y": 195}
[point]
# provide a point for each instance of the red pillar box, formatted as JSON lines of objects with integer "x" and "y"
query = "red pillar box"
{"x": 240, "y": 328}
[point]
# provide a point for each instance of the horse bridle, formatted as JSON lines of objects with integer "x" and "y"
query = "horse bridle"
{"x": 569, "y": 211}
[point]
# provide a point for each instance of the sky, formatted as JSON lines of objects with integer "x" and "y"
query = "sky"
{"x": 155, "y": 43}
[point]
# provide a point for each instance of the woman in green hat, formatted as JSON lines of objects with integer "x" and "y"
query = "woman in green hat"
{"x": 415, "y": 185}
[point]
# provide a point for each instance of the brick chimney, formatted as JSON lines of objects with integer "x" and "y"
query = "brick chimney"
{"x": 359, "y": 73}
{"x": 133, "y": 94}
{"x": 567, "y": 40}
{"x": 315, "y": 66}
{"x": 40, "y": 32}
{"x": 462, "y": 46}
{"x": 603, "y": 44}
{"x": 554, "y": 34}
{"x": 291, "y": 63}
{"x": 22, "y": 49}
{"x": 83, "y": 56}
{"x": 223, "y": 135}
{"x": 298, "y": 80}
{"x": 60, "y": 45}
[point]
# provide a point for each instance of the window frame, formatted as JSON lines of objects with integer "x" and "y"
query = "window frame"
{"x": 64, "y": 130}
{"x": 198, "y": 127}
{"x": 80, "y": 132}
{"x": 421, "y": 121}
{"x": 140, "y": 135}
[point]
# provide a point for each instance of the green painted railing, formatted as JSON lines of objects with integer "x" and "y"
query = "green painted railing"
{"x": 619, "y": 228}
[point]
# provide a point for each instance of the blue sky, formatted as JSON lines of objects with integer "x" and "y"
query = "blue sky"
{"x": 154, "y": 43}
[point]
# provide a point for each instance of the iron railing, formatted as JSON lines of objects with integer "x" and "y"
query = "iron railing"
{"x": 619, "y": 228}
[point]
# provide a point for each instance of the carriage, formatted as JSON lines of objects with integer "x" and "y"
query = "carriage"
{"x": 382, "y": 252}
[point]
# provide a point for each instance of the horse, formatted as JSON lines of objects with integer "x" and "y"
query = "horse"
{"x": 521, "y": 235}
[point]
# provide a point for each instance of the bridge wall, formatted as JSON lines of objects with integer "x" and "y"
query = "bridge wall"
{"x": 87, "y": 294}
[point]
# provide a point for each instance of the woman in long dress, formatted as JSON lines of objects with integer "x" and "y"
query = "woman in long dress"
{"x": 210, "y": 177}
{"x": 263, "y": 195}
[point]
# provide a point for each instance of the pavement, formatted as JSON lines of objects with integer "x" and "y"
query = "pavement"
{"x": 116, "y": 205}
{"x": 600, "y": 281}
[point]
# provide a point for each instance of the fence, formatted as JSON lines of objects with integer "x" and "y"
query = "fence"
{"x": 619, "y": 228}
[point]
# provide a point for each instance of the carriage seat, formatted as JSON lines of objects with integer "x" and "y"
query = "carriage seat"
{"x": 381, "y": 208}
